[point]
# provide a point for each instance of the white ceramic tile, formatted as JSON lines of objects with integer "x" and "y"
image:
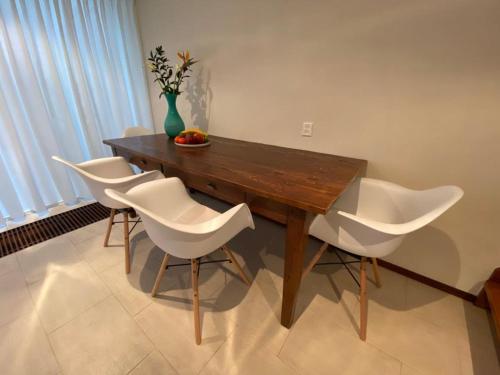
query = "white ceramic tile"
{"x": 221, "y": 288}
{"x": 144, "y": 253}
{"x": 100, "y": 257}
{"x": 253, "y": 310}
{"x": 8, "y": 264}
{"x": 40, "y": 260}
{"x": 429, "y": 302}
{"x": 454, "y": 315}
{"x": 84, "y": 233}
{"x": 335, "y": 285}
{"x": 154, "y": 364}
{"x": 100, "y": 227}
{"x": 102, "y": 340}
{"x": 97, "y": 229}
{"x": 15, "y": 299}
{"x": 236, "y": 358}
{"x": 254, "y": 343}
{"x": 133, "y": 289}
{"x": 318, "y": 345}
{"x": 64, "y": 294}
{"x": 222, "y": 293}
{"x": 393, "y": 292}
{"x": 24, "y": 348}
{"x": 170, "y": 326}
{"x": 412, "y": 329}
{"x": 421, "y": 345}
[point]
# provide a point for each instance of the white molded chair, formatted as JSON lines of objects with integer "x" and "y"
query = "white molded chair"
{"x": 115, "y": 173}
{"x": 136, "y": 131}
{"x": 371, "y": 219}
{"x": 184, "y": 228}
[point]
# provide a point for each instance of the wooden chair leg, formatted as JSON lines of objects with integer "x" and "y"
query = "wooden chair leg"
{"x": 126, "y": 240}
{"x": 376, "y": 274}
{"x": 196, "y": 300}
{"x": 363, "y": 301}
{"x": 110, "y": 225}
{"x": 161, "y": 272}
{"x": 315, "y": 259}
{"x": 230, "y": 255}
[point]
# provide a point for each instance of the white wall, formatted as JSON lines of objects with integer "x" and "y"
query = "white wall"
{"x": 411, "y": 86}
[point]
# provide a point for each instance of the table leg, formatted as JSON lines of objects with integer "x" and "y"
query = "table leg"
{"x": 298, "y": 222}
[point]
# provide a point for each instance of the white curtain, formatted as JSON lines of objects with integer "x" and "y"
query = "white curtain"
{"x": 71, "y": 75}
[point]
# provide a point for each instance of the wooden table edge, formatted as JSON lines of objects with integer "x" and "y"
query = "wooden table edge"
{"x": 301, "y": 205}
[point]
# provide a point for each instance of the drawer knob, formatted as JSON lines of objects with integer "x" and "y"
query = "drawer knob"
{"x": 212, "y": 186}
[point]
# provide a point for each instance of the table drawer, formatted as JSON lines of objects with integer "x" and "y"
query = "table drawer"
{"x": 143, "y": 163}
{"x": 209, "y": 186}
{"x": 273, "y": 210}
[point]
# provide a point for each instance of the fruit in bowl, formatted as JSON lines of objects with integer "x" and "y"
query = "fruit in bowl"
{"x": 191, "y": 137}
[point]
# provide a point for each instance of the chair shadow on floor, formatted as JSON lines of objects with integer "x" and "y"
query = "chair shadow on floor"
{"x": 263, "y": 249}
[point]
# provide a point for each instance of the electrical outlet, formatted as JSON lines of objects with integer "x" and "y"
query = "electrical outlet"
{"x": 307, "y": 129}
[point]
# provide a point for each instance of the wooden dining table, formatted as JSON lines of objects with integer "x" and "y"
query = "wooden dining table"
{"x": 286, "y": 185}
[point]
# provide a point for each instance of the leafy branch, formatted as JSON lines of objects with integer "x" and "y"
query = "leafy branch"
{"x": 165, "y": 76}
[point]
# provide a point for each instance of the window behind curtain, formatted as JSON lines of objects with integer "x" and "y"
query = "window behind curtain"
{"x": 71, "y": 75}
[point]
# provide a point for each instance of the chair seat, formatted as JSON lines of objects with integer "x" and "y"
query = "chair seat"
{"x": 176, "y": 222}
{"x": 196, "y": 214}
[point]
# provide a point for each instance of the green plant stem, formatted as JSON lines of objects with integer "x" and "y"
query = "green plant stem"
{"x": 179, "y": 83}
{"x": 160, "y": 82}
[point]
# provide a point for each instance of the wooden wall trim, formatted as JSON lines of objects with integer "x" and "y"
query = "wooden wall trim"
{"x": 428, "y": 281}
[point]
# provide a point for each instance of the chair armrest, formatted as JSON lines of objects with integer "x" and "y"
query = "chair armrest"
{"x": 388, "y": 228}
{"x": 108, "y": 162}
{"x": 438, "y": 200}
{"x": 239, "y": 216}
{"x": 122, "y": 183}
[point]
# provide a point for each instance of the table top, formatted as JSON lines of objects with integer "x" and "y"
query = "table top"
{"x": 307, "y": 180}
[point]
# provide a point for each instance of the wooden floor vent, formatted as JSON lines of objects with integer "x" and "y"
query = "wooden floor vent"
{"x": 27, "y": 235}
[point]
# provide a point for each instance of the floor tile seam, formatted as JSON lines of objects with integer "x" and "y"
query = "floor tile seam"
{"x": 52, "y": 332}
{"x": 134, "y": 317}
{"x": 140, "y": 361}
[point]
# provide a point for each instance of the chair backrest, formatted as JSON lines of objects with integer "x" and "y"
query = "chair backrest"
{"x": 100, "y": 174}
{"x": 160, "y": 204}
{"x": 136, "y": 131}
{"x": 372, "y": 217}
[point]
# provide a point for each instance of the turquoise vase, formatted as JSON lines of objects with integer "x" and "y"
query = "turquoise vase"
{"x": 173, "y": 122}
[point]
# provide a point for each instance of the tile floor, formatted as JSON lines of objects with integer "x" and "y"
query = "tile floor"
{"x": 67, "y": 307}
